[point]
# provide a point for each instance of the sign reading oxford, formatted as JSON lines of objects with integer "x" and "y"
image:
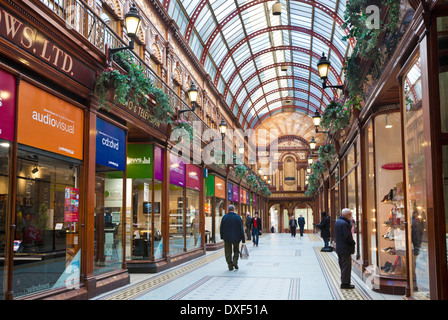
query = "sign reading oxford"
{"x": 37, "y": 44}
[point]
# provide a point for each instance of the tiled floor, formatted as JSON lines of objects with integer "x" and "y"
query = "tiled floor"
{"x": 280, "y": 268}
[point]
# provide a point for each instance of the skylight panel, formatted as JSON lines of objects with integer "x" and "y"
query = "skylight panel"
{"x": 252, "y": 83}
{"x": 223, "y": 8}
{"x": 236, "y": 83}
{"x": 190, "y": 5}
{"x": 228, "y": 69}
{"x": 205, "y": 24}
{"x": 218, "y": 50}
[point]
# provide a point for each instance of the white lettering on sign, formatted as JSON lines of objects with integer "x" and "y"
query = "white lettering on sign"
{"x": 110, "y": 143}
{"x": 54, "y": 120}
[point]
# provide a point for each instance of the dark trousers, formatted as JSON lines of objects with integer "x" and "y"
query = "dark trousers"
{"x": 301, "y": 231}
{"x": 293, "y": 231}
{"x": 345, "y": 263}
{"x": 229, "y": 248}
{"x": 247, "y": 233}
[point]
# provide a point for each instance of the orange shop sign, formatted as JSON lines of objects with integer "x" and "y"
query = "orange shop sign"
{"x": 48, "y": 122}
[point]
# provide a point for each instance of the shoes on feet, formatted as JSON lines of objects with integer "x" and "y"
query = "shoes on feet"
{"x": 347, "y": 286}
{"x": 230, "y": 268}
{"x": 235, "y": 266}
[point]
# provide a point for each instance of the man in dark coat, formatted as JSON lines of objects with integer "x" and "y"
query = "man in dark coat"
{"x": 324, "y": 227}
{"x": 256, "y": 227}
{"x": 248, "y": 220}
{"x": 293, "y": 226}
{"x": 232, "y": 232}
{"x": 301, "y": 221}
{"x": 345, "y": 247}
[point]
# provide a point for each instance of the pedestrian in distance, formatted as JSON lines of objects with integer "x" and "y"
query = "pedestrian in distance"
{"x": 248, "y": 220}
{"x": 345, "y": 247}
{"x": 256, "y": 227}
{"x": 232, "y": 232}
{"x": 293, "y": 226}
{"x": 324, "y": 227}
{"x": 301, "y": 221}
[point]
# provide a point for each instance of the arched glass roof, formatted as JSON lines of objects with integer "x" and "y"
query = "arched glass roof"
{"x": 243, "y": 47}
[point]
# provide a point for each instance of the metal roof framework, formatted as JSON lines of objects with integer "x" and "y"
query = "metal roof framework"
{"x": 243, "y": 46}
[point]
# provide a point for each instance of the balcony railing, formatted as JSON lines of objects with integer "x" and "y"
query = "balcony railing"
{"x": 80, "y": 17}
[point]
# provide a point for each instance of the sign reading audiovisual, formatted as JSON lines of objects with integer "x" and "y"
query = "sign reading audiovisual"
{"x": 49, "y": 123}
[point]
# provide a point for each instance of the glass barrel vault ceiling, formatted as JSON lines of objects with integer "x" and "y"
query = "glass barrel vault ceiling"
{"x": 243, "y": 46}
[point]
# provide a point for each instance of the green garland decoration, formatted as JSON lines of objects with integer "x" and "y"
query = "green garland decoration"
{"x": 133, "y": 86}
{"x": 326, "y": 153}
{"x": 336, "y": 116}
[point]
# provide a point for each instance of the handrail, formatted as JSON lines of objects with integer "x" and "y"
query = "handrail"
{"x": 80, "y": 17}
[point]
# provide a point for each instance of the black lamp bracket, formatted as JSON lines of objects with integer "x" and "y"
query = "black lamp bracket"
{"x": 112, "y": 51}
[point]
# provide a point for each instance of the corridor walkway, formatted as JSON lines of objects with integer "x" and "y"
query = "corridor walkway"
{"x": 280, "y": 268}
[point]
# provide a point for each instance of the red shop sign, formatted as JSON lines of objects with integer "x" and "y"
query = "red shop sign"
{"x": 393, "y": 166}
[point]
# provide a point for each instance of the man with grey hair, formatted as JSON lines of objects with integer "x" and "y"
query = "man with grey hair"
{"x": 232, "y": 232}
{"x": 345, "y": 247}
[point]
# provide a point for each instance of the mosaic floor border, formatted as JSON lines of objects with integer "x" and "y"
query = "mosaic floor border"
{"x": 330, "y": 268}
{"x": 137, "y": 290}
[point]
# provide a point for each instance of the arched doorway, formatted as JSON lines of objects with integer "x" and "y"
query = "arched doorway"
{"x": 306, "y": 211}
{"x": 274, "y": 218}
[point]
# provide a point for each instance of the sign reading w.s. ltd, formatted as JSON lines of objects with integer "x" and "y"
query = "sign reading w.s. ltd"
{"x": 30, "y": 39}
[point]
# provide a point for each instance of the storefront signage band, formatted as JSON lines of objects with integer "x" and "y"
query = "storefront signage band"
{"x": 49, "y": 123}
{"x": 110, "y": 145}
{"x": 37, "y": 44}
{"x": 7, "y": 105}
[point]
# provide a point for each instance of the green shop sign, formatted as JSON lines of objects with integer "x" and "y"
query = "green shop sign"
{"x": 140, "y": 161}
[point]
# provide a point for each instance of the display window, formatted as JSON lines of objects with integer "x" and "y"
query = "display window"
{"x": 143, "y": 203}
{"x": 46, "y": 240}
{"x": 176, "y": 205}
{"x": 109, "y": 202}
{"x": 219, "y": 209}
{"x": 209, "y": 208}
{"x": 192, "y": 220}
{"x": 416, "y": 180}
{"x": 5, "y": 147}
{"x": 7, "y": 120}
{"x": 389, "y": 194}
{"x": 46, "y": 251}
{"x": 442, "y": 41}
{"x": 370, "y": 198}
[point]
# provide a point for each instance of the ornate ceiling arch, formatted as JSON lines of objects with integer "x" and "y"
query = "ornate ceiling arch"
{"x": 258, "y": 54}
{"x": 276, "y": 79}
{"x": 236, "y": 41}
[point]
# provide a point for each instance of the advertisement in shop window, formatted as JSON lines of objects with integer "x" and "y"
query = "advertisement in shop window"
{"x": 7, "y": 105}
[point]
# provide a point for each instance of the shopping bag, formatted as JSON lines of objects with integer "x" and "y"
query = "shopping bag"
{"x": 244, "y": 252}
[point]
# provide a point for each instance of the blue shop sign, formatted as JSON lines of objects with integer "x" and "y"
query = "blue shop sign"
{"x": 229, "y": 191}
{"x": 110, "y": 145}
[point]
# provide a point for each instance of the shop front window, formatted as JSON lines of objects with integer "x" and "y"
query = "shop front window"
{"x": 141, "y": 208}
{"x": 370, "y": 198}
{"x": 108, "y": 225}
{"x": 176, "y": 222}
{"x": 4, "y": 193}
{"x": 445, "y": 191}
{"x": 193, "y": 233}
{"x": 109, "y": 202}
{"x": 219, "y": 213}
{"x": 389, "y": 195}
{"x": 144, "y": 202}
{"x": 416, "y": 179}
{"x": 46, "y": 240}
{"x": 442, "y": 40}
